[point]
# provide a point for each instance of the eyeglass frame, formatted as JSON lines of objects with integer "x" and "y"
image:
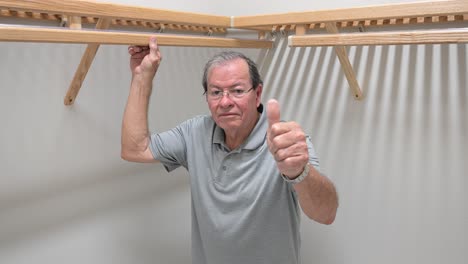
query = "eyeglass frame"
{"x": 228, "y": 93}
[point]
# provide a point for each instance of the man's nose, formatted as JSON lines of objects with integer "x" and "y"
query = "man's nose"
{"x": 226, "y": 100}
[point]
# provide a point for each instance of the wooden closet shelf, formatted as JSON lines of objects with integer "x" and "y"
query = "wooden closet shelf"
{"x": 426, "y": 22}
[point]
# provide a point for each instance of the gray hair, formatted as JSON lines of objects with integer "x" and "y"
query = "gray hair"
{"x": 226, "y": 56}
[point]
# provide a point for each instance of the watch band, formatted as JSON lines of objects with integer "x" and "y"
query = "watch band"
{"x": 299, "y": 178}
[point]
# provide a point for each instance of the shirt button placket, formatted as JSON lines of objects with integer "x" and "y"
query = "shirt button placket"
{"x": 225, "y": 165}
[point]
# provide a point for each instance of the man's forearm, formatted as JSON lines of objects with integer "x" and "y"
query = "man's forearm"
{"x": 318, "y": 197}
{"x": 135, "y": 134}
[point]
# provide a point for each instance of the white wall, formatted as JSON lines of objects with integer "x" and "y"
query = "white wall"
{"x": 398, "y": 157}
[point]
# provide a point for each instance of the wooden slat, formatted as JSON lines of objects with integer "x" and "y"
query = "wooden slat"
{"x": 85, "y": 64}
{"x": 262, "y": 35}
{"x": 40, "y": 34}
{"x": 301, "y": 30}
{"x": 425, "y": 8}
{"x": 345, "y": 63}
{"x": 74, "y": 22}
{"x": 108, "y": 10}
{"x": 445, "y": 36}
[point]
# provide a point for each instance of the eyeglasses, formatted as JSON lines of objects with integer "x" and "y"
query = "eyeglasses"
{"x": 236, "y": 93}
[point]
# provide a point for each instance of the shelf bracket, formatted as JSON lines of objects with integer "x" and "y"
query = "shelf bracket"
{"x": 85, "y": 64}
{"x": 345, "y": 63}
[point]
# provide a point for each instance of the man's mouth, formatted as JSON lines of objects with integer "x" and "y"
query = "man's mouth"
{"x": 226, "y": 114}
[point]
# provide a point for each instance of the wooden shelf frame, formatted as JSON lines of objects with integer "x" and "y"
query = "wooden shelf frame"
{"x": 86, "y": 8}
{"x": 348, "y": 16}
{"x": 53, "y": 35}
{"x": 121, "y": 23}
{"x": 75, "y": 13}
{"x": 443, "y": 13}
{"x": 449, "y": 17}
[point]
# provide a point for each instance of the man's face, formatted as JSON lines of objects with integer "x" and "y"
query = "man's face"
{"x": 229, "y": 112}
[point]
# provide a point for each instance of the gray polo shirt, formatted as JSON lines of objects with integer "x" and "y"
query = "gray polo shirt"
{"x": 242, "y": 210}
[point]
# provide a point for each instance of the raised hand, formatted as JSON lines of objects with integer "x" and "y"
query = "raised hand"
{"x": 287, "y": 142}
{"x": 145, "y": 59}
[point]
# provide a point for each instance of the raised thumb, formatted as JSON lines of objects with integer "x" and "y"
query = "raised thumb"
{"x": 273, "y": 112}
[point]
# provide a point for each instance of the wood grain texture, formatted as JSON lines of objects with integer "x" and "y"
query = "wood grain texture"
{"x": 445, "y": 36}
{"x": 116, "y": 22}
{"x": 51, "y": 35}
{"x": 107, "y": 10}
{"x": 301, "y": 30}
{"x": 74, "y": 22}
{"x": 401, "y": 10}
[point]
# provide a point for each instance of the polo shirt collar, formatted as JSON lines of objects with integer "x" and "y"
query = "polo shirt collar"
{"x": 254, "y": 140}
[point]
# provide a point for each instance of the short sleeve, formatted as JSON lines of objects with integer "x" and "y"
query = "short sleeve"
{"x": 170, "y": 147}
{"x": 313, "y": 159}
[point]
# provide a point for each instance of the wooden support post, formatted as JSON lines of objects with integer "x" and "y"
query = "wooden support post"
{"x": 301, "y": 30}
{"x": 345, "y": 64}
{"x": 261, "y": 35}
{"x": 85, "y": 64}
{"x": 74, "y": 22}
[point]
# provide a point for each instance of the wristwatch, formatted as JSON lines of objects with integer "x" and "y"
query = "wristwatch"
{"x": 299, "y": 178}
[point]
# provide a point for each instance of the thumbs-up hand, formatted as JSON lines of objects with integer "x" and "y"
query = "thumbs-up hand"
{"x": 286, "y": 142}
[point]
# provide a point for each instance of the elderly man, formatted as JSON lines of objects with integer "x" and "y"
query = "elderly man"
{"x": 249, "y": 172}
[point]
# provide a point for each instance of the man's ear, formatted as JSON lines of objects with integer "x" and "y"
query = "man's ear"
{"x": 258, "y": 92}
